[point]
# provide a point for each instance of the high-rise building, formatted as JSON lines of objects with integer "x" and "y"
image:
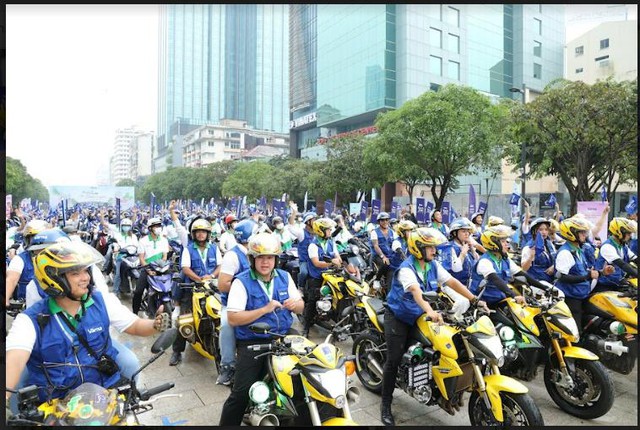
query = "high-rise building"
{"x": 221, "y": 61}
{"x": 121, "y": 160}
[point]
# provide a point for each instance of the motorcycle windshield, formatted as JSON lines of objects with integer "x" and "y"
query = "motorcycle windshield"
{"x": 88, "y": 405}
{"x": 161, "y": 283}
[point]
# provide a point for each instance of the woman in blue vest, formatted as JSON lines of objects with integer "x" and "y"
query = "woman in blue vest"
{"x": 46, "y": 337}
{"x": 575, "y": 274}
{"x": 262, "y": 294}
{"x": 539, "y": 253}
{"x": 418, "y": 274}
{"x": 200, "y": 261}
{"x": 615, "y": 251}
{"x": 459, "y": 255}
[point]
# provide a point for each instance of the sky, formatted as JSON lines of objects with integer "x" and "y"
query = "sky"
{"x": 77, "y": 73}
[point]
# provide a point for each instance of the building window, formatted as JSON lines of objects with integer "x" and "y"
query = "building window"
{"x": 538, "y": 26}
{"x": 579, "y": 70}
{"x": 537, "y": 49}
{"x": 435, "y": 11}
{"x": 537, "y": 71}
{"x": 579, "y": 50}
{"x": 454, "y": 70}
{"x": 454, "y": 43}
{"x": 453, "y": 16}
{"x": 604, "y": 43}
{"x": 435, "y": 65}
{"x": 604, "y": 63}
{"x": 435, "y": 37}
{"x": 604, "y": 57}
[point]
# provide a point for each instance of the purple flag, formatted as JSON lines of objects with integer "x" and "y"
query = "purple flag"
{"x": 482, "y": 207}
{"x": 375, "y": 210}
{"x": 363, "y": 210}
{"x": 328, "y": 207}
{"x": 472, "y": 200}
{"x": 446, "y": 212}
{"x": 428, "y": 208}
{"x": 420, "y": 210}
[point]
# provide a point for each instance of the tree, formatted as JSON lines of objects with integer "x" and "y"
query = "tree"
{"x": 445, "y": 134}
{"x": 126, "y": 182}
{"x": 254, "y": 179}
{"x": 20, "y": 184}
{"x": 585, "y": 134}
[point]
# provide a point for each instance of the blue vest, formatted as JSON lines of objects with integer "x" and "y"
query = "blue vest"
{"x": 542, "y": 261}
{"x": 56, "y": 345}
{"x": 492, "y": 294}
{"x": 26, "y": 275}
{"x": 589, "y": 254}
{"x": 197, "y": 264}
{"x": 303, "y": 247}
{"x": 384, "y": 242}
{"x": 280, "y": 320}
{"x": 582, "y": 289}
{"x": 615, "y": 278}
{"x": 402, "y": 303}
{"x": 315, "y": 272}
{"x": 447, "y": 262}
{"x": 397, "y": 260}
{"x": 244, "y": 265}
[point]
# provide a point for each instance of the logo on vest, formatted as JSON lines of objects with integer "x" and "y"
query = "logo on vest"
{"x": 94, "y": 330}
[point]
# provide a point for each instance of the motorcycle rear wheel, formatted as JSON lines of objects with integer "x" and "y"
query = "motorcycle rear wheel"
{"x": 595, "y": 387}
{"x": 517, "y": 410}
{"x": 365, "y": 344}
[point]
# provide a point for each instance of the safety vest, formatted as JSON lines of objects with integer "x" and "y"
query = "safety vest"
{"x": 68, "y": 363}
{"x": 542, "y": 261}
{"x": 492, "y": 294}
{"x": 244, "y": 265}
{"x": 615, "y": 278}
{"x": 26, "y": 275}
{"x": 447, "y": 262}
{"x": 303, "y": 247}
{"x": 279, "y": 320}
{"x": 402, "y": 303}
{"x": 582, "y": 289}
{"x": 396, "y": 260}
{"x": 315, "y": 272}
{"x": 384, "y": 242}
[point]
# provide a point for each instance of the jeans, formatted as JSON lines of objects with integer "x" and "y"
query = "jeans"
{"x": 303, "y": 275}
{"x": 227, "y": 341}
{"x": 116, "y": 277}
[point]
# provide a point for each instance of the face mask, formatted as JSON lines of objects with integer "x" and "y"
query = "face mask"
{"x": 156, "y": 231}
{"x": 279, "y": 226}
{"x": 126, "y": 228}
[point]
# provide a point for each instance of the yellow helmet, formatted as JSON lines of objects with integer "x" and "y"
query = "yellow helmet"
{"x": 569, "y": 227}
{"x": 494, "y": 220}
{"x": 619, "y": 226}
{"x": 32, "y": 228}
{"x": 263, "y": 244}
{"x": 200, "y": 224}
{"x": 321, "y": 225}
{"x": 404, "y": 226}
{"x": 57, "y": 259}
{"x": 491, "y": 237}
{"x": 422, "y": 237}
{"x": 555, "y": 225}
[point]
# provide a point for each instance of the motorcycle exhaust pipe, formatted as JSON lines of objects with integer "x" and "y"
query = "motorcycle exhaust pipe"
{"x": 353, "y": 394}
{"x": 266, "y": 420}
{"x": 374, "y": 366}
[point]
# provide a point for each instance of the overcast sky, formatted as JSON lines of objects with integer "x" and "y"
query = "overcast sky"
{"x": 75, "y": 74}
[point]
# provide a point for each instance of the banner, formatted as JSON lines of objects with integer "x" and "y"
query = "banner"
{"x": 8, "y": 205}
{"x": 375, "y": 210}
{"x": 551, "y": 201}
{"x": 592, "y": 212}
{"x": 482, "y": 208}
{"x": 420, "y": 210}
{"x": 354, "y": 208}
{"x": 363, "y": 210}
{"x": 328, "y": 207}
{"x": 445, "y": 210}
{"x": 103, "y": 195}
{"x": 428, "y": 209}
{"x": 472, "y": 200}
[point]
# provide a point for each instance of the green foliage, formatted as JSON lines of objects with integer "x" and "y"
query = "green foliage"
{"x": 254, "y": 179}
{"x": 20, "y": 184}
{"x": 585, "y": 134}
{"x": 126, "y": 183}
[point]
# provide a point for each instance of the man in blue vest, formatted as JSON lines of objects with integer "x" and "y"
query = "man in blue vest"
{"x": 615, "y": 251}
{"x": 381, "y": 240}
{"x": 305, "y": 237}
{"x": 261, "y": 294}
{"x": 418, "y": 274}
{"x": 62, "y": 339}
{"x": 234, "y": 262}
{"x": 200, "y": 261}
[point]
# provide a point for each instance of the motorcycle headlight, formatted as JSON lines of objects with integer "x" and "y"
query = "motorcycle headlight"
{"x": 489, "y": 346}
{"x": 355, "y": 249}
{"x": 323, "y": 305}
{"x": 506, "y": 333}
{"x": 325, "y": 290}
{"x": 259, "y": 392}
{"x": 569, "y": 325}
{"x": 333, "y": 382}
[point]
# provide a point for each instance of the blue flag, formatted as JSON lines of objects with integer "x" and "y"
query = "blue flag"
{"x": 117, "y": 211}
{"x": 551, "y": 201}
{"x": 632, "y": 207}
{"x": 328, "y": 207}
{"x": 375, "y": 210}
{"x": 539, "y": 242}
{"x": 603, "y": 194}
{"x": 420, "y": 215}
{"x": 428, "y": 208}
{"x": 445, "y": 211}
{"x": 454, "y": 214}
{"x": 363, "y": 210}
{"x": 472, "y": 200}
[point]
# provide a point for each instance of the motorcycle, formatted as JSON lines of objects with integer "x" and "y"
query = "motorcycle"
{"x": 174, "y": 255}
{"x": 161, "y": 282}
{"x": 289, "y": 262}
{"x": 302, "y": 374}
{"x": 90, "y": 404}
{"x": 610, "y": 327}
{"x": 129, "y": 267}
{"x": 542, "y": 333}
{"x": 201, "y": 327}
{"x": 445, "y": 361}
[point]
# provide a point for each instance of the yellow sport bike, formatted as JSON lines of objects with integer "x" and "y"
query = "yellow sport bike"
{"x": 443, "y": 362}
{"x": 307, "y": 383}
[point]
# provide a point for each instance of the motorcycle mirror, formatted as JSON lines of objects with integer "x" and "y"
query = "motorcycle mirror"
{"x": 164, "y": 341}
{"x": 260, "y": 328}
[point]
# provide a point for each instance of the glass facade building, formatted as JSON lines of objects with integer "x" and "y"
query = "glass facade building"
{"x": 372, "y": 58}
{"x": 223, "y": 61}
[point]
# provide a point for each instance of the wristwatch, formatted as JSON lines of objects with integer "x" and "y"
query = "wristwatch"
{"x": 474, "y": 301}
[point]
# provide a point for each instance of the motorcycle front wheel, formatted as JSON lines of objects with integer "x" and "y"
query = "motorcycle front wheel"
{"x": 366, "y": 348}
{"x": 517, "y": 410}
{"x": 592, "y": 394}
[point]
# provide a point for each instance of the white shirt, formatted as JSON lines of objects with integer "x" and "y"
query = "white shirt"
{"x": 610, "y": 253}
{"x": 16, "y": 264}
{"x": 123, "y": 239}
{"x": 230, "y": 262}
{"x": 227, "y": 241}
{"x": 237, "y": 300}
{"x": 485, "y": 267}
{"x": 407, "y": 277}
{"x": 150, "y": 248}
{"x": 283, "y": 235}
{"x": 313, "y": 250}
{"x": 374, "y": 236}
{"x": 297, "y": 232}
{"x": 185, "y": 259}
{"x": 564, "y": 261}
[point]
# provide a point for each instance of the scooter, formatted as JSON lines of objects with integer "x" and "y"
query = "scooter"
{"x": 161, "y": 282}
{"x": 129, "y": 267}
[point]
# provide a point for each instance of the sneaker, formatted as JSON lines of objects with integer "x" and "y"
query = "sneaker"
{"x": 226, "y": 375}
{"x": 176, "y": 358}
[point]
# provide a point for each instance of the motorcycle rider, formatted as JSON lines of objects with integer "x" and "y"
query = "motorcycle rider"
{"x": 284, "y": 236}
{"x": 124, "y": 237}
{"x": 200, "y": 261}
{"x": 228, "y": 239}
{"x": 477, "y": 218}
{"x": 615, "y": 251}
{"x": 459, "y": 255}
{"x": 419, "y": 273}
{"x": 20, "y": 270}
{"x": 151, "y": 247}
{"x": 322, "y": 245}
{"x": 304, "y": 237}
{"x": 261, "y": 294}
{"x": 381, "y": 240}
{"x": 234, "y": 262}
{"x": 539, "y": 253}
{"x": 399, "y": 247}
{"x": 70, "y": 327}
{"x": 436, "y": 222}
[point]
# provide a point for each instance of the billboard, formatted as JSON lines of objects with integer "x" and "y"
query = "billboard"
{"x": 93, "y": 195}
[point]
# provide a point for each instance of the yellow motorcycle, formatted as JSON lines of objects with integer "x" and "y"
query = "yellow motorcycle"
{"x": 201, "y": 327}
{"x": 92, "y": 405}
{"x": 610, "y": 326}
{"x": 302, "y": 374}
{"x": 443, "y": 362}
{"x": 543, "y": 332}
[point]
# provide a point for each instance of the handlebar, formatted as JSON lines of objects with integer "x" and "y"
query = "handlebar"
{"x": 146, "y": 394}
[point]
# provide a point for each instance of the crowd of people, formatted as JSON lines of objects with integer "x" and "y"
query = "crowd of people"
{"x": 56, "y": 266}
